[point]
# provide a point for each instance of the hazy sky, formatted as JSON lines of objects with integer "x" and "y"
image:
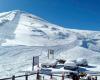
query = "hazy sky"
{"x": 79, "y": 14}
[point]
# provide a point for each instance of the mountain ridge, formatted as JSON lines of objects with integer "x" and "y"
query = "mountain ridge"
{"x": 35, "y": 26}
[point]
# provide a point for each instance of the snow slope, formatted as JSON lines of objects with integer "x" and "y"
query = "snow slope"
{"x": 23, "y": 35}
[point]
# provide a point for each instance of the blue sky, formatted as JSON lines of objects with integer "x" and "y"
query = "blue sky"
{"x": 77, "y": 14}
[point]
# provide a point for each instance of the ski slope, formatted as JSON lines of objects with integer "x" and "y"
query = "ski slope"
{"x": 23, "y": 35}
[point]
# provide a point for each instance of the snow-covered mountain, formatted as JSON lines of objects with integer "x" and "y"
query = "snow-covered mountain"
{"x": 23, "y": 35}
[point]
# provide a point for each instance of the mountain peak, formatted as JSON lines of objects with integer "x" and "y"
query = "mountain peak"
{"x": 18, "y": 11}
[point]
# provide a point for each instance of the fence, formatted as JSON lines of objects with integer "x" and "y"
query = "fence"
{"x": 14, "y": 77}
{"x": 51, "y": 77}
{"x": 37, "y": 77}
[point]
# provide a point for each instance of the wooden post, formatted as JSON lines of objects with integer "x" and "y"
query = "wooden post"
{"x": 95, "y": 77}
{"x": 63, "y": 76}
{"x": 51, "y": 77}
{"x": 75, "y": 77}
{"x": 33, "y": 64}
{"x": 26, "y": 77}
{"x": 38, "y": 76}
{"x": 13, "y": 77}
{"x": 43, "y": 77}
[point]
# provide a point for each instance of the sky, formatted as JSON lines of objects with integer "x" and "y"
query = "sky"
{"x": 75, "y": 14}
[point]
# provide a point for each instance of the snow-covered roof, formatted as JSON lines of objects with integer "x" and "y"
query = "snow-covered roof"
{"x": 70, "y": 64}
{"x": 81, "y": 60}
{"x": 50, "y": 62}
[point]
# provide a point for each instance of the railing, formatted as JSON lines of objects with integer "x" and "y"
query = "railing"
{"x": 14, "y": 77}
{"x": 27, "y": 76}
